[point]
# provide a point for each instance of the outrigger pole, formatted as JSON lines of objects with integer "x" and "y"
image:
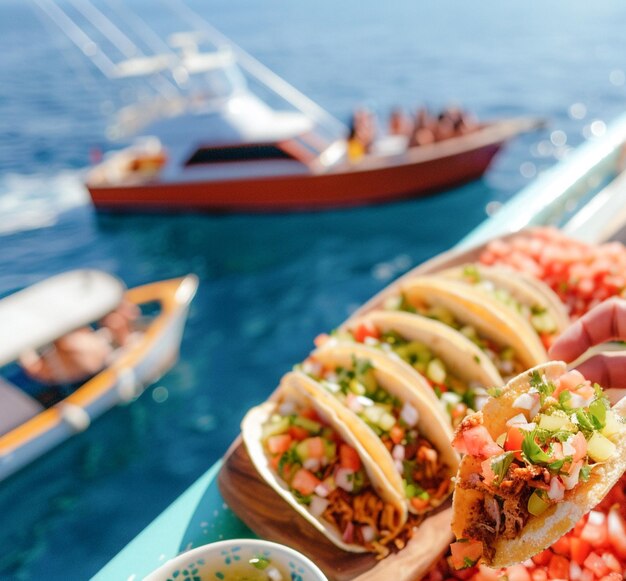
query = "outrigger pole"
{"x": 258, "y": 70}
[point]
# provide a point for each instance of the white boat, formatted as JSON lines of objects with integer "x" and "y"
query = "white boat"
{"x": 38, "y": 315}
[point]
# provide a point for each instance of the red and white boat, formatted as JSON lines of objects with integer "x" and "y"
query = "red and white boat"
{"x": 210, "y": 140}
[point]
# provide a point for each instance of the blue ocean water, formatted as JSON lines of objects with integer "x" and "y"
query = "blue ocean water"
{"x": 268, "y": 284}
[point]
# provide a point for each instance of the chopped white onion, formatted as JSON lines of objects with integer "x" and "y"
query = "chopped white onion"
{"x": 575, "y": 572}
{"x": 353, "y": 403}
{"x": 370, "y": 341}
{"x": 596, "y": 518}
{"x": 571, "y": 480}
{"x": 386, "y": 347}
{"x": 398, "y": 452}
{"x": 318, "y": 505}
{"x": 535, "y": 409}
{"x": 364, "y": 401}
{"x": 568, "y": 449}
{"x": 312, "y": 464}
{"x": 506, "y": 367}
{"x": 524, "y": 402}
{"x": 529, "y": 427}
{"x": 450, "y": 397}
{"x": 287, "y": 408}
{"x": 368, "y": 533}
{"x": 322, "y": 490}
{"x": 518, "y": 419}
{"x": 344, "y": 479}
{"x": 576, "y": 401}
{"x": 311, "y": 367}
{"x": 399, "y": 466}
{"x": 331, "y": 386}
{"x": 409, "y": 415}
{"x": 557, "y": 489}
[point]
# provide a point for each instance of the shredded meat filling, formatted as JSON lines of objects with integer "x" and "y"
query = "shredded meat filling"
{"x": 368, "y": 509}
{"x": 502, "y": 511}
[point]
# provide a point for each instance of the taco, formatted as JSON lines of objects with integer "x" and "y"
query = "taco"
{"x": 311, "y": 458}
{"x": 539, "y": 456}
{"x": 530, "y": 297}
{"x": 394, "y": 414}
{"x": 456, "y": 370}
{"x": 502, "y": 334}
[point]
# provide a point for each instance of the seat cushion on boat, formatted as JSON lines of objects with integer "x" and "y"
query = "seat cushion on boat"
{"x": 16, "y": 407}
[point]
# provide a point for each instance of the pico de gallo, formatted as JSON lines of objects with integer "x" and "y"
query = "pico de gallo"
{"x": 327, "y": 476}
{"x": 503, "y": 357}
{"x": 564, "y": 429}
{"x": 426, "y": 478}
{"x": 582, "y": 275}
{"x": 457, "y": 397}
{"x": 537, "y": 315}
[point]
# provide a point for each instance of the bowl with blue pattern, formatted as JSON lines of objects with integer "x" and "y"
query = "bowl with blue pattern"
{"x": 239, "y": 560}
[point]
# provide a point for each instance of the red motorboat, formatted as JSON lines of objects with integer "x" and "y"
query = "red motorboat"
{"x": 290, "y": 173}
{"x": 209, "y": 139}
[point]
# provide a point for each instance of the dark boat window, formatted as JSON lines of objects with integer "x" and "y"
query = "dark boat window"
{"x": 254, "y": 152}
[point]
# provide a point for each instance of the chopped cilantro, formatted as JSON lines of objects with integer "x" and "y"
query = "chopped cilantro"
{"x": 467, "y": 562}
{"x": 476, "y": 358}
{"x": 585, "y": 471}
{"x": 532, "y": 452}
{"x": 500, "y": 465}
{"x": 495, "y": 391}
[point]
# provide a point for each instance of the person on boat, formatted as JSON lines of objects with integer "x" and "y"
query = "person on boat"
{"x": 400, "y": 123}
{"x": 362, "y": 134}
{"x": 444, "y": 128}
{"x": 82, "y": 353}
{"x": 605, "y": 322}
{"x": 423, "y": 128}
{"x": 356, "y": 148}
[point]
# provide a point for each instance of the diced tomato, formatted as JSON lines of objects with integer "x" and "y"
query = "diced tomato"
{"x": 562, "y": 546}
{"x": 396, "y": 434}
{"x": 558, "y": 568}
{"x": 304, "y": 481}
{"x": 611, "y": 562}
{"x": 279, "y": 443}
{"x": 612, "y": 577}
{"x": 349, "y": 458}
{"x": 596, "y": 534}
{"x": 518, "y": 573}
{"x": 315, "y": 447}
{"x": 539, "y": 575}
{"x": 274, "y": 461}
{"x": 364, "y": 331}
{"x": 464, "y": 553}
{"x": 419, "y": 503}
{"x": 321, "y": 339}
{"x": 310, "y": 414}
{"x": 514, "y": 439}
{"x": 543, "y": 558}
{"x": 486, "y": 574}
{"x": 298, "y": 433}
{"x": 597, "y": 564}
{"x": 579, "y": 549}
{"x": 587, "y": 575}
{"x": 579, "y": 443}
{"x": 478, "y": 442}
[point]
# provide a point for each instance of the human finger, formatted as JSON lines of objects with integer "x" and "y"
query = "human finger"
{"x": 604, "y": 323}
{"x": 607, "y": 369}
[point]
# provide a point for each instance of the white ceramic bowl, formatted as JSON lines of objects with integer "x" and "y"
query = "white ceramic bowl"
{"x": 195, "y": 565}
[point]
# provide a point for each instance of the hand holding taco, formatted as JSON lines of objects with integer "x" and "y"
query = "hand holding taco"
{"x": 544, "y": 451}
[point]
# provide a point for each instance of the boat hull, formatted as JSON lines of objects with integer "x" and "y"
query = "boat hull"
{"x": 127, "y": 377}
{"x": 362, "y": 185}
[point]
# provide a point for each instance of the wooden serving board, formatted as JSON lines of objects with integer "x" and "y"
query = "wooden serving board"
{"x": 269, "y": 516}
